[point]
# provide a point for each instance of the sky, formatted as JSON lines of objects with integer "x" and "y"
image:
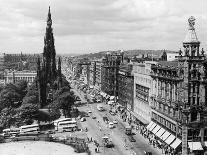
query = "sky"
{"x": 88, "y": 26}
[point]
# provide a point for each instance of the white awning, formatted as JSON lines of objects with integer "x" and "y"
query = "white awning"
{"x": 170, "y": 139}
{"x": 165, "y": 135}
{"x": 176, "y": 143}
{"x": 160, "y": 132}
{"x": 195, "y": 146}
{"x": 149, "y": 125}
{"x": 156, "y": 129}
{"x": 152, "y": 127}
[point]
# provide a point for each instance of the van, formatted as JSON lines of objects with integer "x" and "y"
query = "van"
{"x": 111, "y": 125}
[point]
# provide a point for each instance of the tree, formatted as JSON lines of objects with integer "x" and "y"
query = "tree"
{"x": 28, "y": 113}
{"x": 30, "y": 99}
{"x": 54, "y": 111}
{"x": 65, "y": 101}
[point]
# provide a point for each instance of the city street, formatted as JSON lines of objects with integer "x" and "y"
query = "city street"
{"x": 97, "y": 129}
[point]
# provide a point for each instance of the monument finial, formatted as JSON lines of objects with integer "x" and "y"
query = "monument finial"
{"x": 191, "y": 22}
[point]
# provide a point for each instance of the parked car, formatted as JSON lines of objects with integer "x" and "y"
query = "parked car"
{"x": 112, "y": 113}
{"x": 83, "y": 119}
{"x": 89, "y": 111}
{"x": 93, "y": 117}
{"x": 115, "y": 122}
{"x": 111, "y": 125}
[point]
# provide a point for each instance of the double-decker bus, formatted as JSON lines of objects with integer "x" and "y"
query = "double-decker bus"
{"x": 66, "y": 126}
{"x": 11, "y": 131}
{"x": 56, "y": 122}
{"x": 34, "y": 128}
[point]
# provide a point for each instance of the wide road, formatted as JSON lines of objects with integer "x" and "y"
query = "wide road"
{"x": 97, "y": 128}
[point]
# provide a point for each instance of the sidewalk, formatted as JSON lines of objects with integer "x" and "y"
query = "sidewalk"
{"x": 143, "y": 138}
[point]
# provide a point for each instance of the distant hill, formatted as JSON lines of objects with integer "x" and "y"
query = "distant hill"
{"x": 128, "y": 53}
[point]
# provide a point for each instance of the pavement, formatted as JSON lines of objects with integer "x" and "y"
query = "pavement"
{"x": 97, "y": 128}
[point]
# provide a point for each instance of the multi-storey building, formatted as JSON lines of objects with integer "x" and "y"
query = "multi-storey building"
{"x": 142, "y": 91}
{"x": 98, "y": 74}
{"x": 14, "y": 76}
{"x": 92, "y": 78}
{"x": 110, "y": 71}
{"x": 126, "y": 86}
{"x": 179, "y": 98}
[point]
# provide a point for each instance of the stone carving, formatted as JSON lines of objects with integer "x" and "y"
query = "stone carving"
{"x": 191, "y": 22}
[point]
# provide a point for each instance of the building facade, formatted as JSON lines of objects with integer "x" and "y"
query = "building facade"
{"x": 110, "y": 71}
{"x": 142, "y": 90}
{"x": 126, "y": 86}
{"x": 179, "y": 98}
{"x": 92, "y": 77}
{"x": 14, "y": 76}
{"x": 98, "y": 74}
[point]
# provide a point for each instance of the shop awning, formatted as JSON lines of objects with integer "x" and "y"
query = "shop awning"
{"x": 160, "y": 132}
{"x": 165, "y": 135}
{"x": 195, "y": 146}
{"x": 176, "y": 143}
{"x": 149, "y": 125}
{"x": 156, "y": 129}
{"x": 152, "y": 126}
{"x": 170, "y": 139}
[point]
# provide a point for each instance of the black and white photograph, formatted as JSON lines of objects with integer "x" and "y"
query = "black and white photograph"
{"x": 103, "y": 77}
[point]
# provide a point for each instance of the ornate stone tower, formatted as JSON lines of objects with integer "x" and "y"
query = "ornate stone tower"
{"x": 46, "y": 70}
{"x": 49, "y": 53}
{"x": 191, "y": 89}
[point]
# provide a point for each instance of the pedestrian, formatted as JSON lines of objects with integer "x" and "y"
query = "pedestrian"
{"x": 91, "y": 139}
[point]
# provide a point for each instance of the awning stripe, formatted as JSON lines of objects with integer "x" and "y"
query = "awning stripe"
{"x": 152, "y": 127}
{"x": 170, "y": 139}
{"x": 165, "y": 135}
{"x": 176, "y": 143}
{"x": 149, "y": 125}
{"x": 156, "y": 129}
{"x": 160, "y": 132}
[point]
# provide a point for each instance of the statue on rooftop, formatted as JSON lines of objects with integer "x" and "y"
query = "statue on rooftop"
{"x": 191, "y": 22}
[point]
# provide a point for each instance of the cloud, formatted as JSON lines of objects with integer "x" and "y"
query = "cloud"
{"x": 93, "y": 25}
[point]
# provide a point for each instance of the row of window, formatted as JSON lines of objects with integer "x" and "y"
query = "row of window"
{"x": 142, "y": 88}
{"x": 171, "y": 126}
{"x": 142, "y": 79}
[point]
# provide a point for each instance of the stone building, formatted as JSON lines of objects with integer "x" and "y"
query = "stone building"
{"x": 110, "y": 71}
{"x": 98, "y": 74}
{"x": 126, "y": 86}
{"x": 179, "y": 98}
{"x": 92, "y": 77}
{"x": 142, "y": 91}
{"x": 14, "y": 76}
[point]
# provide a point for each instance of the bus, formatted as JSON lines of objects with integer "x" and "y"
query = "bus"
{"x": 56, "y": 122}
{"x": 128, "y": 130}
{"x": 34, "y": 128}
{"x": 66, "y": 126}
{"x": 14, "y": 131}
